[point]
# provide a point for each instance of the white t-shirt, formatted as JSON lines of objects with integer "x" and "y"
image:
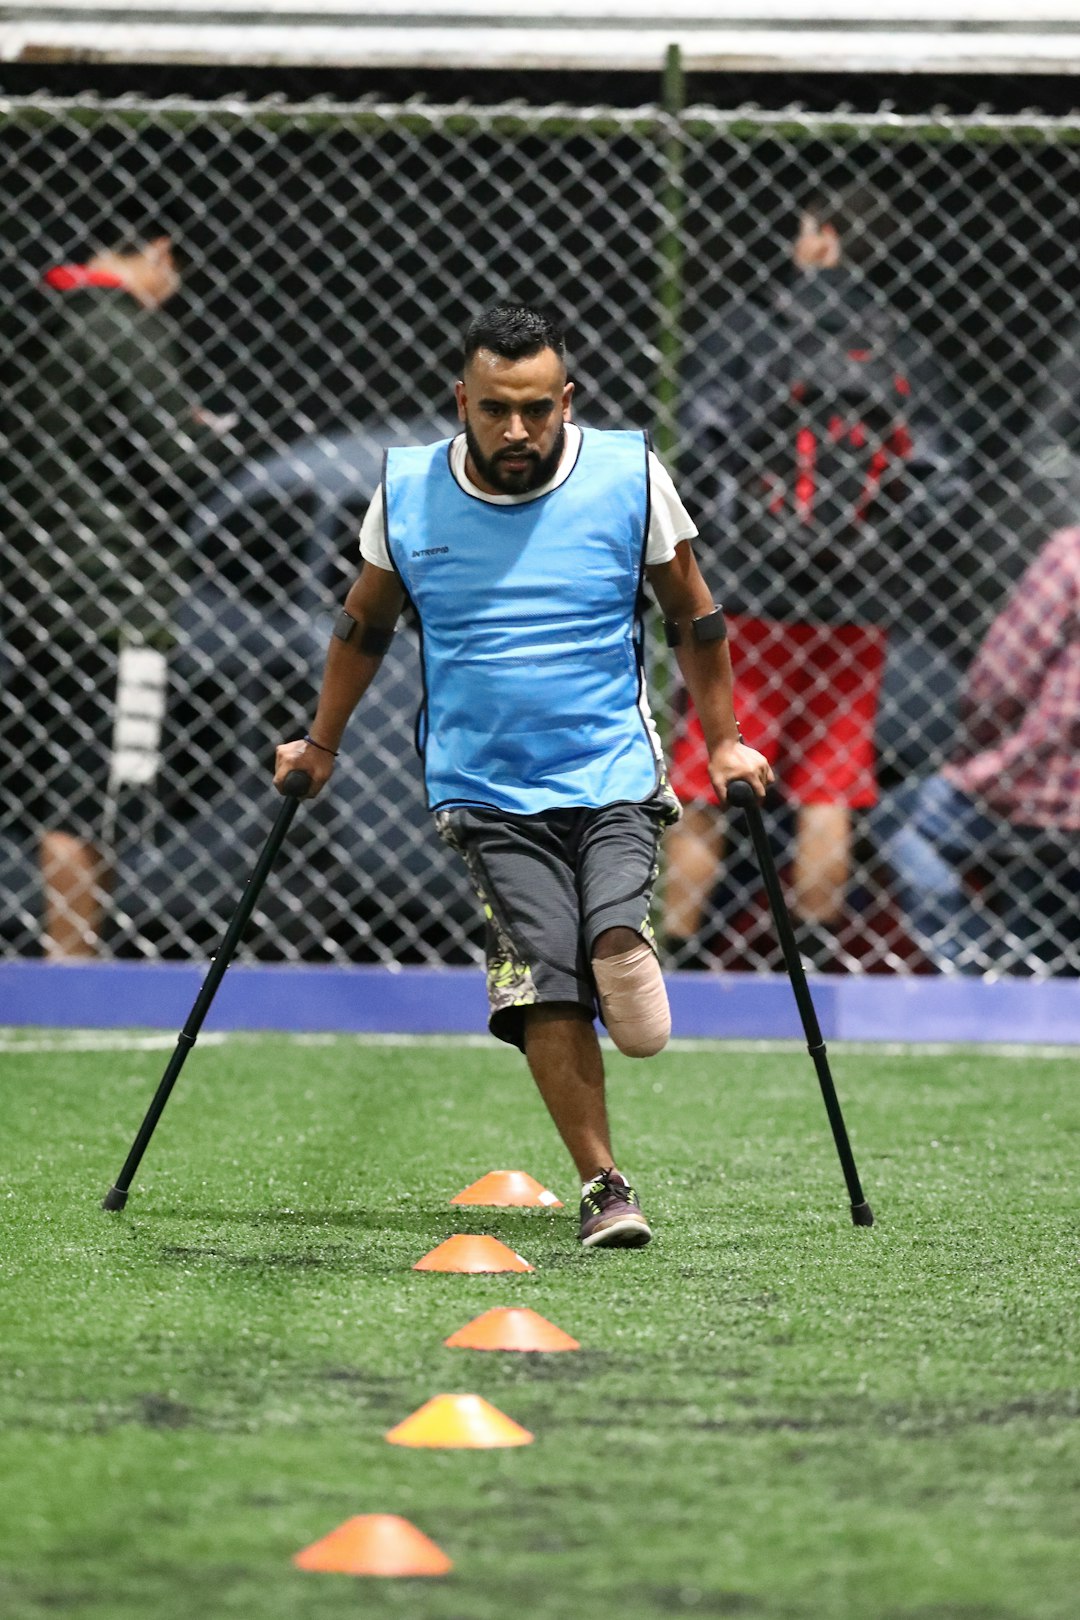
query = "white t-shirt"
{"x": 669, "y": 521}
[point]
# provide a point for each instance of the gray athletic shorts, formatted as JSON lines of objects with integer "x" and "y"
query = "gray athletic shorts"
{"x": 549, "y": 885}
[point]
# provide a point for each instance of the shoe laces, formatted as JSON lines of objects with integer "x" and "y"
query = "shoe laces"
{"x": 610, "y": 1186}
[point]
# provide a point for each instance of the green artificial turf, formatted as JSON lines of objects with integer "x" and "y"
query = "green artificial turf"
{"x": 773, "y": 1413}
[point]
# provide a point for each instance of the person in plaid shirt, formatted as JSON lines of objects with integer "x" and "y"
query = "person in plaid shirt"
{"x": 1009, "y": 801}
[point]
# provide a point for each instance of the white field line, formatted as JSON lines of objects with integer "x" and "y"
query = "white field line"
{"x": 14, "y": 1041}
{"x": 91, "y": 1040}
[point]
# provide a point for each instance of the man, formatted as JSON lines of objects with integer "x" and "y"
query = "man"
{"x": 816, "y": 441}
{"x": 522, "y": 543}
{"x": 98, "y": 435}
{"x": 1009, "y": 802}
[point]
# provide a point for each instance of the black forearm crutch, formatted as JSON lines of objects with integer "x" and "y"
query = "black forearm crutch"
{"x": 742, "y": 795}
{"x": 295, "y": 786}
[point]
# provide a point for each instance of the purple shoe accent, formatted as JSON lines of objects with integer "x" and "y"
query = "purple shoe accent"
{"x": 611, "y": 1216}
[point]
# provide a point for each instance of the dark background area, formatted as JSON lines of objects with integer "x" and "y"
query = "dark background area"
{"x": 268, "y": 229}
{"x": 1055, "y": 94}
{"x": 328, "y": 272}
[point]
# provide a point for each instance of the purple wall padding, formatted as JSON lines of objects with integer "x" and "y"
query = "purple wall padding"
{"x": 431, "y": 1001}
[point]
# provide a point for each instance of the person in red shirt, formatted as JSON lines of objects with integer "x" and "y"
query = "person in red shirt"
{"x": 821, "y": 469}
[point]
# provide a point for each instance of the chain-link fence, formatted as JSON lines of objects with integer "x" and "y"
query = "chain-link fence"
{"x": 882, "y": 450}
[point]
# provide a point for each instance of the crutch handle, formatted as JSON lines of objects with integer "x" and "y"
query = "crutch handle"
{"x": 741, "y": 794}
{"x": 296, "y": 785}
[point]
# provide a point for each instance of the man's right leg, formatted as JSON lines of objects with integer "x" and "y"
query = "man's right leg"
{"x": 567, "y": 1064}
{"x": 541, "y": 995}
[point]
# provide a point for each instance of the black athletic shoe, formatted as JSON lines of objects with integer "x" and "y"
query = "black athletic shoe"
{"x": 611, "y": 1216}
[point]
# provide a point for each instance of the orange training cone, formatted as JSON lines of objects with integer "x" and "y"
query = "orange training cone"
{"x": 518, "y": 1329}
{"x": 507, "y": 1189}
{"x": 458, "y": 1420}
{"x": 375, "y": 1544}
{"x": 464, "y": 1253}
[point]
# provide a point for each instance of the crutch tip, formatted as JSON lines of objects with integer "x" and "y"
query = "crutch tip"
{"x": 862, "y": 1214}
{"x": 115, "y": 1198}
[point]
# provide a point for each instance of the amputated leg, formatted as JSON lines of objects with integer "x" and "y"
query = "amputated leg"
{"x": 631, "y": 991}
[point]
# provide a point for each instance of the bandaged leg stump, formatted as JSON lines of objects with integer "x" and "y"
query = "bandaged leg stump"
{"x": 633, "y": 1000}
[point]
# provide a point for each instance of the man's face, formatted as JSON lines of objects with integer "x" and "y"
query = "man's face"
{"x": 817, "y": 245}
{"x": 514, "y": 413}
{"x": 160, "y": 268}
{"x": 149, "y": 272}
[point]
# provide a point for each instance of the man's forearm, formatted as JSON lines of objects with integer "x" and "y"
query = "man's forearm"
{"x": 707, "y": 674}
{"x": 346, "y": 677}
{"x": 695, "y": 628}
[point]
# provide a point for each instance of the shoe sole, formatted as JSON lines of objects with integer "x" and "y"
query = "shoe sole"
{"x": 627, "y": 1232}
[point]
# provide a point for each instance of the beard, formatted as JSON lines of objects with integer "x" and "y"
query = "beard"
{"x": 538, "y": 469}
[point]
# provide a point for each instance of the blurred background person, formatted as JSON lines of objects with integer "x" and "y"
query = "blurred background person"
{"x": 101, "y": 445}
{"x": 1007, "y": 807}
{"x": 822, "y": 468}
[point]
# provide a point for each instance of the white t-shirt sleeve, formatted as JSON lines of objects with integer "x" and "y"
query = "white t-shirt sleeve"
{"x": 373, "y": 547}
{"x": 669, "y": 521}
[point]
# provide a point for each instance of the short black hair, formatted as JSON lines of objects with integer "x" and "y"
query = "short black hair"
{"x": 513, "y": 332}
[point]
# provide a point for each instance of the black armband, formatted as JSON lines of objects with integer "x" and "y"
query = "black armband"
{"x": 710, "y": 627}
{"x": 372, "y": 641}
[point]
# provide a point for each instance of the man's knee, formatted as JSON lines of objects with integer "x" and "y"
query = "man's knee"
{"x": 633, "y": 998}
